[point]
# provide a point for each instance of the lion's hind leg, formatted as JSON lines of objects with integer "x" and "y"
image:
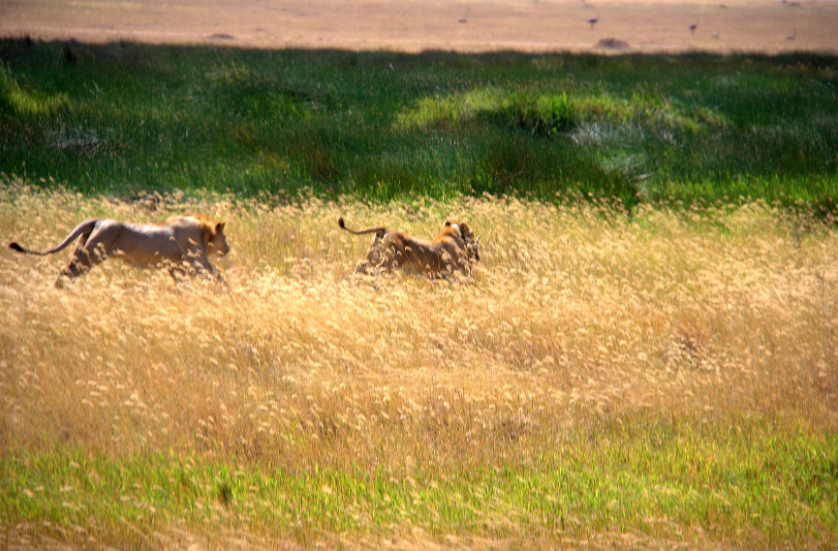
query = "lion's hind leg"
{"x": 88, "y": 253}
{"x": 363, "y": 268}
{"x": 374, "y": 261}
{"x": 175, "y": 270}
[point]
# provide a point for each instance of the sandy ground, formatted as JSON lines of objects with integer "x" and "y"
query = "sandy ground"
{"x": 769, "y": 26}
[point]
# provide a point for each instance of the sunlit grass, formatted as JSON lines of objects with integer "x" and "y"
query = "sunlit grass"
{"x": 636, "y": 380}
{"x": 546, "y": 113}
{"x": 26, "y": 103}
{"x": 650, "y": 486}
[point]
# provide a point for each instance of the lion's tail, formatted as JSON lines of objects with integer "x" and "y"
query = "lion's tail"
{"x": 378, "y": 230}
{"x": 82, "y": 229}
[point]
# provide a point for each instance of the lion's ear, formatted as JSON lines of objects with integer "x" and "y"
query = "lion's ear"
{"x": 219, "y": 228}
{"x": 447, "y": 223}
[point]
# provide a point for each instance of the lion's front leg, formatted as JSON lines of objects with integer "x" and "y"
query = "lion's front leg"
{"x": 176, "y": 269}
{"x": 200, "y": 263}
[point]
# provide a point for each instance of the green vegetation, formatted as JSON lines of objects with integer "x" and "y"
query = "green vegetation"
{"x": 650, "y": 479}
{"x": 124, "y": 118}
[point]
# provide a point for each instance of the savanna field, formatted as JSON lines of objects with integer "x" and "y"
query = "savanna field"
{"x": 645, "y": 357}
{"x": 601, "y": 379}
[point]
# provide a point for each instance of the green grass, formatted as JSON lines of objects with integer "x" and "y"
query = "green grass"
{"x": 645, "y": 478}
{"x": 123, "y": 118}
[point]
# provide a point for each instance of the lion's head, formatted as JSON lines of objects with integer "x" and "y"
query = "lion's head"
{"x": 470, "y": 244}
{"x": 218, "y": 241}
{"x": 212, "y": 230}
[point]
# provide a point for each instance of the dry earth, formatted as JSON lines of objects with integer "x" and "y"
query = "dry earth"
{"x": 769, "y": 26}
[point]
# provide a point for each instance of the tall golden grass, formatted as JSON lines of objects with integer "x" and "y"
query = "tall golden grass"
{"x": 576, "y": 315}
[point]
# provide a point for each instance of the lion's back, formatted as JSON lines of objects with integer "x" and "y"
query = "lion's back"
{"x": 170, "y": 240}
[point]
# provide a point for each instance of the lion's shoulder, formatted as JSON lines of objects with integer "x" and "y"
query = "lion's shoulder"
{"x": 196, "y": 220}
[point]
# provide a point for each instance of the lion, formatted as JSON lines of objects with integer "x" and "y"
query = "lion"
{"x": 454, "y": 249}
{"x": 183, "y": 242}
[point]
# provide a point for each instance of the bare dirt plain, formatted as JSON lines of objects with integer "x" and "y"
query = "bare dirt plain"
{"x": 770, "y": 26}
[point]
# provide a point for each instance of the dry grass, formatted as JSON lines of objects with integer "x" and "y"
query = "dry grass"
{"x": 577, "y": 317}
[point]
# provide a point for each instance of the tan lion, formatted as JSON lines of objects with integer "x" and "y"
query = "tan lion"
{"x": 184, "y": 242}
{"x": 453, "y": 249}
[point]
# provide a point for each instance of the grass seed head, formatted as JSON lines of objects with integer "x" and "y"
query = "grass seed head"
{"x": 577, "y": 315}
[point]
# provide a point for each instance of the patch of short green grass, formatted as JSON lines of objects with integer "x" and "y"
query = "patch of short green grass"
{"x": 686, "y": 482}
